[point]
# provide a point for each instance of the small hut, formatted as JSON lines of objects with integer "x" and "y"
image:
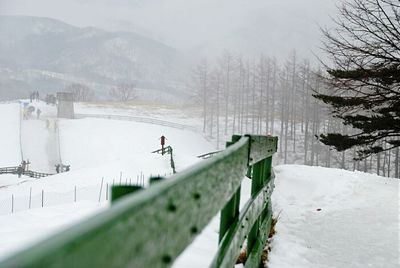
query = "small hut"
{"x": 65, "y": 107}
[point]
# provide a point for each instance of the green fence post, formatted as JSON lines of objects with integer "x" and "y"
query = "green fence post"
{"x": 256, "y": 185}
{"x": 267, "y": 178}
{"x": 118, "y": 191}
{"x": 230, "y": 212}
{"x": 261, "y": 176}
{"x": 156, "y": 179}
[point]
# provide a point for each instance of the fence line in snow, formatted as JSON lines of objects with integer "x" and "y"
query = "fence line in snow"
{"x": 23, "y": 201}
{"x": 137, "y": 119}
{"x": 29, "y": 173}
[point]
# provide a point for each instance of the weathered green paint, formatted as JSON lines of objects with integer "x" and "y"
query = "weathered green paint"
{"x": 150, "y": 228}
{"x": 230, "y": 212}
{"x": 256, "y": 185}
{"x": 261, "y": 147}
{"x": 254, "y": 256}
{"x": 261, "y": 175}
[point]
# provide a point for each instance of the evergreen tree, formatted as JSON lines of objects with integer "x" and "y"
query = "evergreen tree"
{"x": 364, "y": 80}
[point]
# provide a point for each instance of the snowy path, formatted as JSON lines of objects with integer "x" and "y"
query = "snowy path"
{"x": 39, "y": 139}
{"x": 39, "y": 145}
{"x": 357, "y": 224}
{"x": 9, "y": 134}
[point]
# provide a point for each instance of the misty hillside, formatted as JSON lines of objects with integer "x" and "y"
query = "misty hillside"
{"x": 47, "y": 54}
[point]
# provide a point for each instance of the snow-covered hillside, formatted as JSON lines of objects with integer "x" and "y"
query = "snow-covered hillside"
{"x": 37, "y": 52}
{"x": 327, "y": 217}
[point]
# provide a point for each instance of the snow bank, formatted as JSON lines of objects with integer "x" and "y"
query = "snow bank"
{"x": 334, "y": 218}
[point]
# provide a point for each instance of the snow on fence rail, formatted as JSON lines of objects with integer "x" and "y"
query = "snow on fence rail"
{"x": 137, "y": 119}
{"x": 150, "y": 228}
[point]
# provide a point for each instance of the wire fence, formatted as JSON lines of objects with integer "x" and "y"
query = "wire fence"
{"x": 33, "y": 197}
{"x": 138, "y": 119}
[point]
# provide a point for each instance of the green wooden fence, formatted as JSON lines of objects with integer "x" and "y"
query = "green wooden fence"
{"x": 151, "y": 227}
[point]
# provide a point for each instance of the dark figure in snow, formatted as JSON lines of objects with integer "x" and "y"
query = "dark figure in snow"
{"x": 37, "y": 95}
{"x": 19, "y": 171}
{"x": 163, "y": 139}
{"x": 67, "y": 168}
{"x": 38, "y": 112}
{"x": 23, "y": 165}
{"x": 58, "y": 168}
{"x": 31, "y": 96}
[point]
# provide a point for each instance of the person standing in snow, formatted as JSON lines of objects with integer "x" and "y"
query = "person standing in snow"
{"x": 19, "y": 171}
{"x": 23, "y": 165}
{"x": 58, "y": 168}
{"x": 38, "y": 112}
{"x": 163, "y": 138}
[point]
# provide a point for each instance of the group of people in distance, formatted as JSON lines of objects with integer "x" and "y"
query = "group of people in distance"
{"x": 28, "y": 111}
{"x": 34, "y": 96}
{"x": 62, "y": 168}
{"x": 22, "y": 167}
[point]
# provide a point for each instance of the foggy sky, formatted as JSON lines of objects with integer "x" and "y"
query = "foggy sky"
{"x": 273, "y": 27}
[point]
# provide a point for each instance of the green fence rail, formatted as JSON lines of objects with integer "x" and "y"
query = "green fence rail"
{"x": 151, "y": 227}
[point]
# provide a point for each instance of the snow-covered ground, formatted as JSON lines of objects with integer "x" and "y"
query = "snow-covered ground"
{"x": 327, "y": 217}
{"x": 335, "y": 218}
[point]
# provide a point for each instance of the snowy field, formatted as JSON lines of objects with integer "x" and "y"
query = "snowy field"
{"x": 327, "y": 217}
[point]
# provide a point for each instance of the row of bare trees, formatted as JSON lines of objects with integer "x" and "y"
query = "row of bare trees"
{"x": 261, "y": 96}
{"x": 122, "y": 92}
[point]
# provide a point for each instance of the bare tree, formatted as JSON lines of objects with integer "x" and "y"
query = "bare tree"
{"x": 81, "y": 92}
{"x": 200, "y": 79}
{"x": 123, "y": 92}
{"x": 365, "y": 76}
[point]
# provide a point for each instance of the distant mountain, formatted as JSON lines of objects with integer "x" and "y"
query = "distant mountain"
{"x": 47, "y": 54}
